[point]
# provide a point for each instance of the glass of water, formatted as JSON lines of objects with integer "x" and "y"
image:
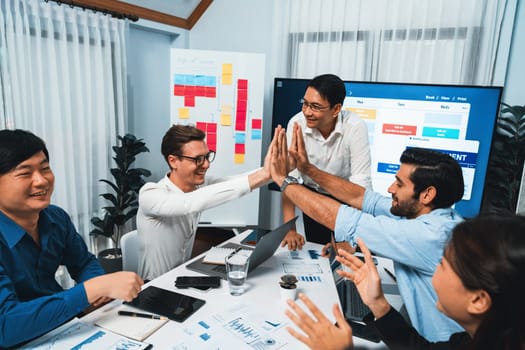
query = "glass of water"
{"x": 237, "y": 270}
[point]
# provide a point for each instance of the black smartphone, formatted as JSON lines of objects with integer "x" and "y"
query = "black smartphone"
{"x": 199, "y": 282}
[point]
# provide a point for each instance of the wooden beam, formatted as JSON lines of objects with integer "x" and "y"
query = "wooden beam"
{"x": 198, "y": 12}
{"x": 145, "y": 13}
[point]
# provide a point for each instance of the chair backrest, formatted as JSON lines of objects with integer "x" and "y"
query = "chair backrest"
{"x": 129, "y": 244}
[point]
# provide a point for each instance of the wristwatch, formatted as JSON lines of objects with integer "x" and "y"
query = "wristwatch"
{"x": 289, "y": 180}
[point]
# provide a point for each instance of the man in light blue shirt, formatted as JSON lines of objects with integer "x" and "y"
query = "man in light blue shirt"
{"x": 411, "y": 228}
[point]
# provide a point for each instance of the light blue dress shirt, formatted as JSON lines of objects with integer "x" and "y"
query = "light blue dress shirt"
{"x": 31, "y": 301}
{"x": 416, "y": 247}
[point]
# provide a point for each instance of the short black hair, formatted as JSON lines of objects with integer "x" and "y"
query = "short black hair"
{"x": 330, "y": 87}
{"x": 437, "y": 169}
{"x": 18, "y": 145}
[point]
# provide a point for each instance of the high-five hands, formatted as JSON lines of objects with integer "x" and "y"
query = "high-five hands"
{"x": 279, "y": 160}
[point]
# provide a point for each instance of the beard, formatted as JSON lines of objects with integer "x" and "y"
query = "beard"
{"x": 408, "y": 208}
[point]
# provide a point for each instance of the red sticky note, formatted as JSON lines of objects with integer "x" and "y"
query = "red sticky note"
{"x": 242, "y": 84}
{"x": 240, "y": 148}
{"x": 256, "y": 123}
{"x": 178, "y": 90}
{"x": 189, "y": 101}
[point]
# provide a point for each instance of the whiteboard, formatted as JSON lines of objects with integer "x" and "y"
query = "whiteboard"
{"x": 222, "y": 93}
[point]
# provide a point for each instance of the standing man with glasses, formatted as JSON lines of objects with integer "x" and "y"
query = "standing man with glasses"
{"x": 169, "y": 210}
{"x": 336, "y": 141}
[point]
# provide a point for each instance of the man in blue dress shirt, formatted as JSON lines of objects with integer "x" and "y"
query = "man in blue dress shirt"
{"x": 35, "y": 238}
{"x": 411, "y": 227}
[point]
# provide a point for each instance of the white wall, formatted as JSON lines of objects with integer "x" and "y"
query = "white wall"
{"x": 245, "y": 26}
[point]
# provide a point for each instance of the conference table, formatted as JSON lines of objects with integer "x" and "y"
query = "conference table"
{"x": 255, "y": 319}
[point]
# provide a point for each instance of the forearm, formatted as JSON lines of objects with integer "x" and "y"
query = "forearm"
{"x": 258, "y": 178}
{"x": 160, "y": 202}
{"x": 344, "y": 190}
{"x": 288, "y": 208}
{"x": 320, "y": 208}
{"x": 22, "y": 321}
{"x": 380, "y": 307}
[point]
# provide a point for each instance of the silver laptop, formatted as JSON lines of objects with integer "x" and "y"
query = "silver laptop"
{"x": 264, "y": 249}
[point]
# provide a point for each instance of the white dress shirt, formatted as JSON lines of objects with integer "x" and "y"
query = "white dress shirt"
{"x": 168, "y": 218}
{"x": 344, "y": 153}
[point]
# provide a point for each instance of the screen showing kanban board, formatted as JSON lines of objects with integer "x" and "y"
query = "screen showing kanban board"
{"x": 454, "y": 119}
{"x": 222, "y": 93}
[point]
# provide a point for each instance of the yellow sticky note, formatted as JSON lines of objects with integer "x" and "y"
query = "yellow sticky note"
{"x": 226, "y": 119}
{"x": 238, "y": 158}
{"x": 227, "y": 68}
{"x": 226, "y": 109}
{"x": 227, "y": 79}
{"x": 184, "y": 113}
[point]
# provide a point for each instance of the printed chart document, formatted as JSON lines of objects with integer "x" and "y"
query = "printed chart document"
{"x": 77, "y": 335}
{"x": 236, "y": 327}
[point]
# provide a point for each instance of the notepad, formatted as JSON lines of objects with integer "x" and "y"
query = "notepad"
{"x": 131, "y": 327}
{"x": 216, "y": 255}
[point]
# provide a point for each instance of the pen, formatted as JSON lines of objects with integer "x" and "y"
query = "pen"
{"x": 138, "y": 314}
{"x": 390, "y": 274}
{"x": 234, "y": 252}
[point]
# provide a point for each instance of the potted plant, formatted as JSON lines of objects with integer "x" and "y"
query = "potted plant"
{"x": 122, "y": 198}
{"x": 288, "y": 285}
{"x": 505, "y": 168}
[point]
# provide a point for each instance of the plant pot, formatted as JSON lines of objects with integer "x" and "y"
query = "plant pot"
{"x": 288, "y": 292}
{"x": 109, "y": 261}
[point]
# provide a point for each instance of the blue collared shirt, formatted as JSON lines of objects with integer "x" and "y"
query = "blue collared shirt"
{"x": 31, "y": 301}
{"x": 416, "y": 247}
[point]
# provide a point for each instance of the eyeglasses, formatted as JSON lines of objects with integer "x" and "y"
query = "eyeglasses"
{"x": 199, "y": 160}
{"x": 313, "y": 107}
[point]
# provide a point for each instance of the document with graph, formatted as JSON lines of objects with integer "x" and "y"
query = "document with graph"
{"x": 78, "y": 335}
{"x": 236, "y": 327}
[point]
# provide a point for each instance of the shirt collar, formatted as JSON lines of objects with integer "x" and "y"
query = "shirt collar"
{"x": 13, "y": 233}
{"x": 338, "y": 129}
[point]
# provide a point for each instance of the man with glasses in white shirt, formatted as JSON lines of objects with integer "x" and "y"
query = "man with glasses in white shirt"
{"x": 169, "y": 210}
{"x": 336, "y": 141}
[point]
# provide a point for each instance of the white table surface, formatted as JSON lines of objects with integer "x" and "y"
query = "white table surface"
{"x": 262, "y": 297}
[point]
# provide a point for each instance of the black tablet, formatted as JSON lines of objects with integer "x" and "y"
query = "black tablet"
{"x": 173, "y": 305}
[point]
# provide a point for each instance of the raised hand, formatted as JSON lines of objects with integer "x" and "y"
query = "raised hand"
{"x": 366, "y": 279}
{"x": 319, "y": 332}
{"x": 298, "y": 149}
{"x": 279, "y": 161}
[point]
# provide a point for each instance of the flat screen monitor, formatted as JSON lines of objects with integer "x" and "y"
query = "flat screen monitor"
{"x": 455, "y": 119}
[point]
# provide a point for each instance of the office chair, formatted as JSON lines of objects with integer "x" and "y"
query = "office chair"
{"x": 129, "y": 243}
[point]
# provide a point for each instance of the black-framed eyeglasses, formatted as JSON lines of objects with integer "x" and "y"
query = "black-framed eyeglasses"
{"x": 313, "y": 106}
{"x": 199, "y": 160}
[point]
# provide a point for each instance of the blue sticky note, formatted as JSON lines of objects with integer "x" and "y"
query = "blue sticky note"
{"x": 256, "y": 134}
{"x": 179, "y": 79}
{"x": 240, "y": 137}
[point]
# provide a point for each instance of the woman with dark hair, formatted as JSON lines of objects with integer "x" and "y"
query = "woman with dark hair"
{"x": 479, "y": 283}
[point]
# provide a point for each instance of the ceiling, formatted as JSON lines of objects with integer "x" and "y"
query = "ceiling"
{"x": 178, "y": 13}
{"x": 178, "y": 8}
